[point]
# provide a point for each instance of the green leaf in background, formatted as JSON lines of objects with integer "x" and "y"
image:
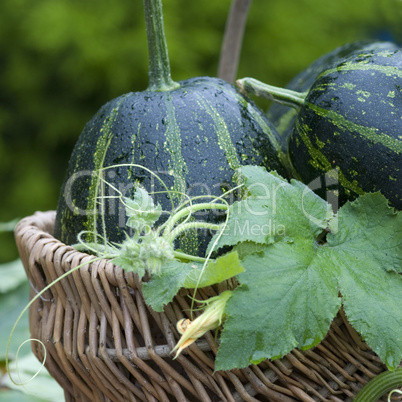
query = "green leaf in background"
{"x": 12, "y": 274}
{"x": 17, "y": 396}
{"x": 160, "y": 290}
{"x": 11, "y": 305}
{"x": 8, "y": 226}
{"x": 42, "y": 388}
{"x": 292, "y": 288}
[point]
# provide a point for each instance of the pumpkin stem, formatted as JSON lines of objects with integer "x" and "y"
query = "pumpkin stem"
{"x": 159, "y": 66}
{"x": 280, "y": 95}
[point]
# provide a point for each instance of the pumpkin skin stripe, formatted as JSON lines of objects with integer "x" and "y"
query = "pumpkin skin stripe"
{"x": 177, "y": 165}
{"x": 101, "y": 147}
{"x": 223, "y": 136}
{"x": 361, "y": 66}
{"x": 320, "y": 162}
{"x": 369, "y": 133}
{"x": 93, "y": 192}
{"x": 285, "y": 168}
{"x": 99, "y": 160}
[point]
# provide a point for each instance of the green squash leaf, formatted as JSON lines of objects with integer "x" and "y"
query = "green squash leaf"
{"x": 287, "y": 299}
{"x": 273, "y": 210}
{"x": 372, "y": 231}
{"x": 216, "y": 271}
{"x": 293, "y": 286}
{"x": 161, "y": 289}
{"x": 366, "y": 254}
{"x": 128, "y": 264}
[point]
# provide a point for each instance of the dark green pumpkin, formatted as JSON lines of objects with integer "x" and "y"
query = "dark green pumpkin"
{"x": 349, "y": 128}
{"x": 193, "y": 134}
{"x": 283, "y": 117}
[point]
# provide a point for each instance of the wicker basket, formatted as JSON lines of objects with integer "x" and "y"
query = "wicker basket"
{"x": 105, "y": 344}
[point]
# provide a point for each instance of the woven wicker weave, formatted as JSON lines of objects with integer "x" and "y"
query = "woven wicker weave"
{"x": 105, "y": 344}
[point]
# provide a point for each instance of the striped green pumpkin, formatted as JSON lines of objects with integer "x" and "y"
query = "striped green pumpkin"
{"x": 193, "y": 137}
{"x": 283, "y": 117}
{"x": 349, "y": 128}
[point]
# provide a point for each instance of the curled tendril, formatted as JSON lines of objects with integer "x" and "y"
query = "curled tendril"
{"x": 23, "y": 383}
{"x": 395, "y": 391}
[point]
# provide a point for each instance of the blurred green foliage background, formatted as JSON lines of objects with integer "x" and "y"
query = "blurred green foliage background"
{"x": 60, "y": 60}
